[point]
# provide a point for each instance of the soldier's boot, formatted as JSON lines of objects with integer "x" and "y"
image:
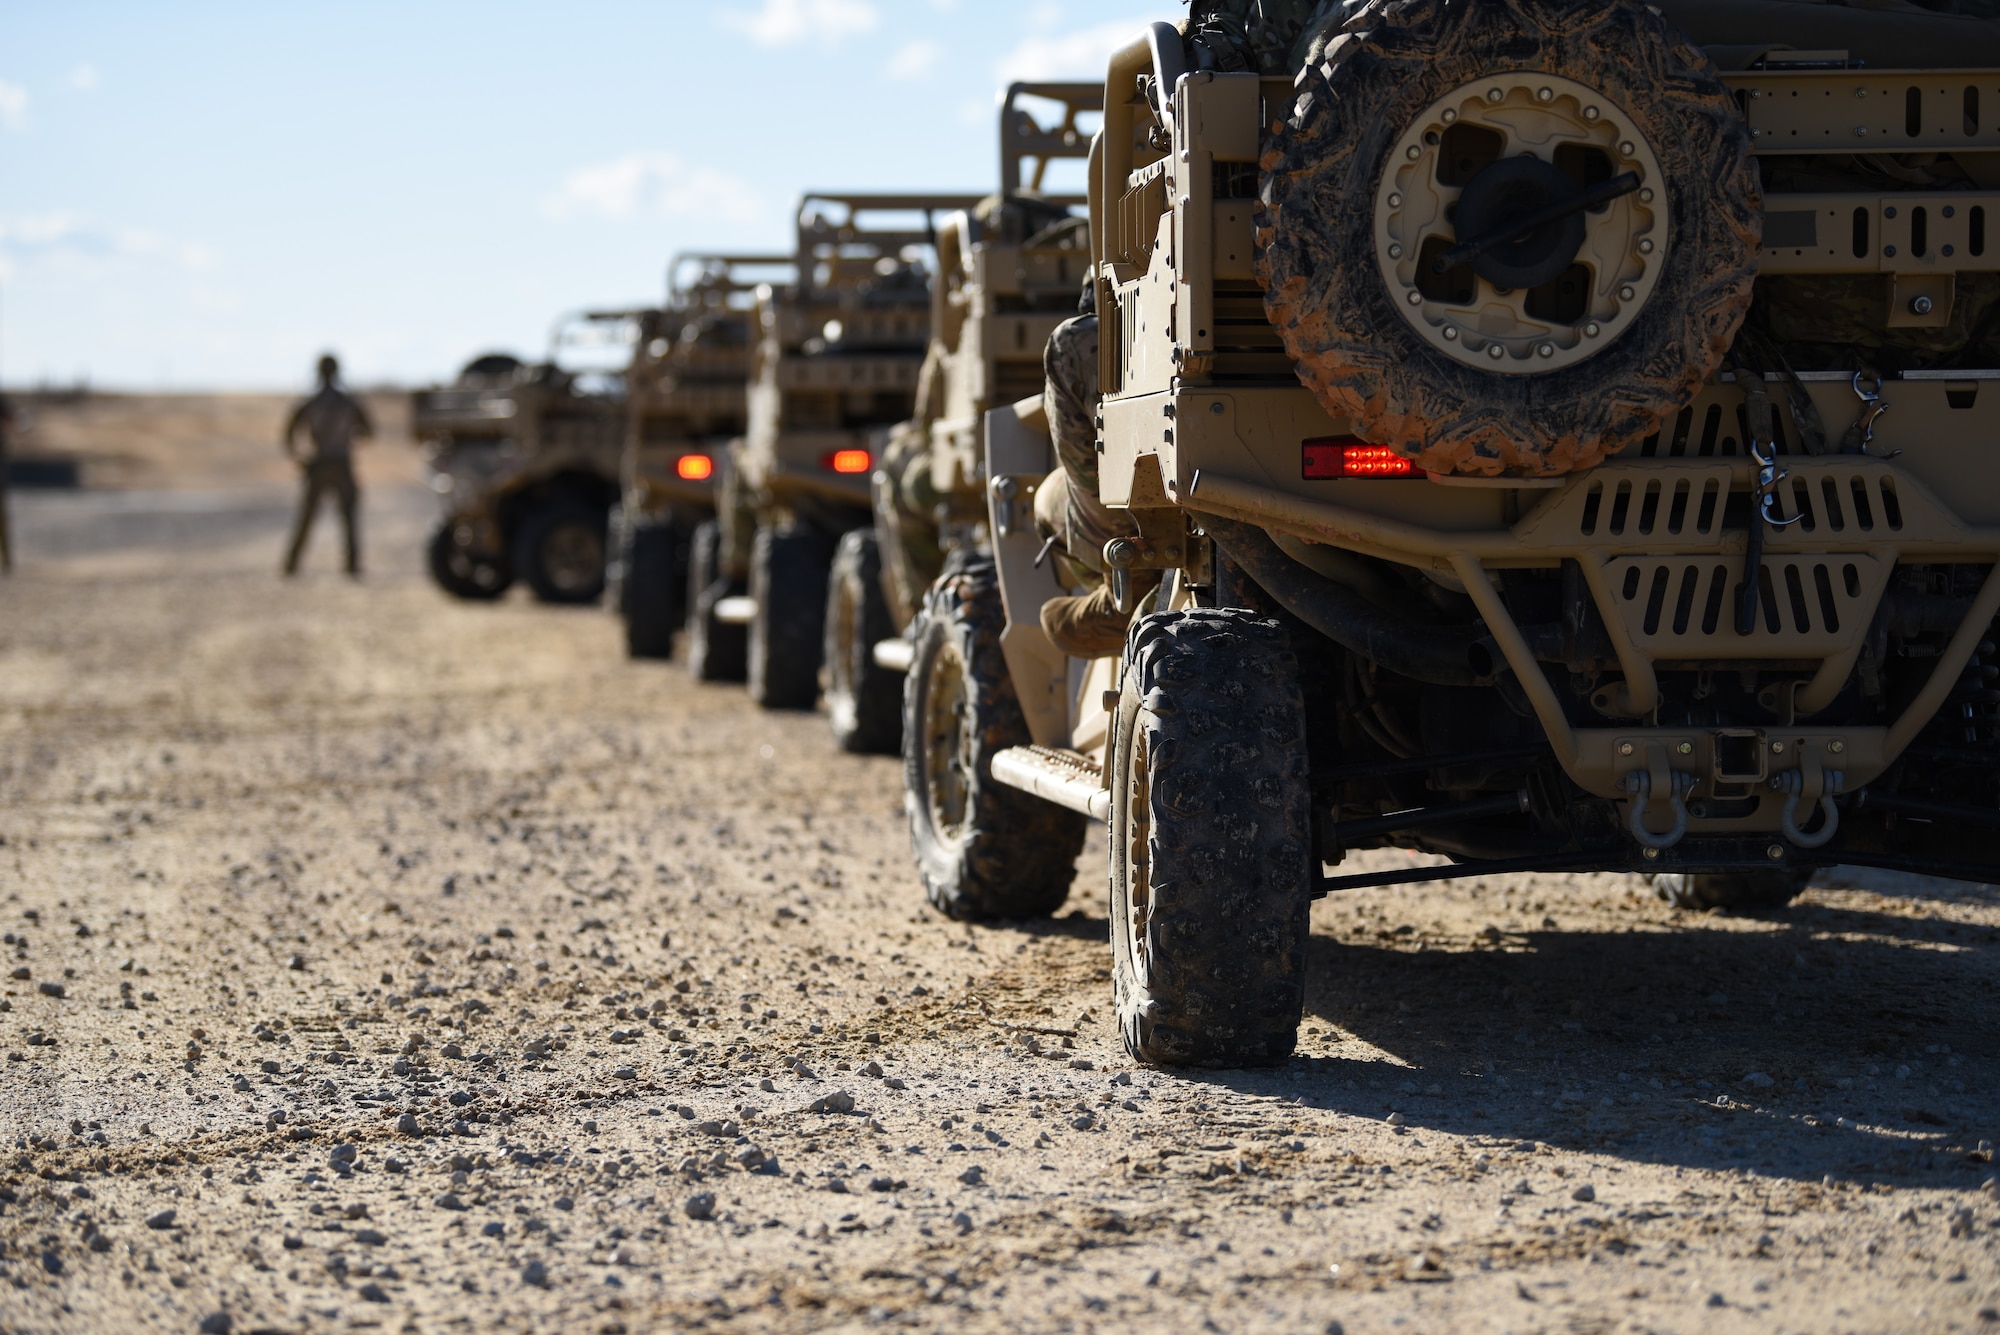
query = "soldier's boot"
{"x": 1090, "y": 625}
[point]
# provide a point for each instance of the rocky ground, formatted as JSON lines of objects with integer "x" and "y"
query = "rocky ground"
{"x": 373, "y": 961}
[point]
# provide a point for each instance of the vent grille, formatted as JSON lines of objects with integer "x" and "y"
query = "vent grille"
{"x": 1684, "y": 607}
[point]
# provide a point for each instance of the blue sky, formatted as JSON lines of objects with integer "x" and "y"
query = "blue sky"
{"x": 206, "y": 195}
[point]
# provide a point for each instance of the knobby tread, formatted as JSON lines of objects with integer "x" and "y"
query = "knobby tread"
{"x": 863, "y": 701}
{"x": 1324, "y": 291}
{"x": 529, "y": 550}
{"x": 788, "y": 573}
{"x": 1016, "y": 855}
{"x": 652, "y": 585}
{"x": 460, "y": 573}
{"x": 716, "y": 652}
{"x": 1211, "y": 705}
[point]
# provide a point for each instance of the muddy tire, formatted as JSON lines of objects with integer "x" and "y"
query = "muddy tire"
{"x": 717, "y": 651}
{"x": 1211, "y": 837}
{"x": 461, "y": 572}
{"x": 652, "y": 585}
{"x": 864, "y": 701}
{"x": 788, "y": 572}
{"x": 560, "y": 551}
{"x": 1742, "y": 891}
{"x": 983, "y": 850}
{"x": 1616, "y": 316}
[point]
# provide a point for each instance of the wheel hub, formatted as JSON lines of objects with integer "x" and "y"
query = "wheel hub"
{"x": 1507, "y": 194}
{"x": 1503, "y": 148}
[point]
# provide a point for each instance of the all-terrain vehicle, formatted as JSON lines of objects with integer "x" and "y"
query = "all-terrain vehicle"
{"x": 1557, "y": 429}
{"x": 1008, "y": 272}
{"x": 525, "y": 459}
{"x": 834, "y": 366}
{"x": 687, "y": 401}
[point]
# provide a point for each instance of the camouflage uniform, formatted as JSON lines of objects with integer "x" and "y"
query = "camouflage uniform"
{"x": 334, "y": 420}
{"x": 1066, "y": 505}
{"x": 905, "y": 517}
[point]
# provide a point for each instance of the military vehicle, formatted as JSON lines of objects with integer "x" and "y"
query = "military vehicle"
{"x": 1008, "y": 272}
{"x": 525, "y": 459}
{"x": 834, "y": 366}
{"x": 685, "y": 394}
{"x": 1555, "y": 428}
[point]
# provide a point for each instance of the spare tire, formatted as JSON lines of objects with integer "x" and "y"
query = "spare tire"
{"x": 1430, "y": 124}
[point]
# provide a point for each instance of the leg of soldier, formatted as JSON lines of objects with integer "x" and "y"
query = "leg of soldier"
{"x": 1087, "y": 625}
{"x": 308, "y": 505}
{"x": 350, "y": 504}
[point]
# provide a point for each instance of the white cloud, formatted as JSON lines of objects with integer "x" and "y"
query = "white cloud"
{"x": 915, "y": 60}
{"x": 84, "y": 78}
{"x": 786, "y": 22}
{"x": 1080, "y": 54}
{"x": 654, "y": 184}
{"x": 13, "y": 105}
{"x": 70, "y": 238}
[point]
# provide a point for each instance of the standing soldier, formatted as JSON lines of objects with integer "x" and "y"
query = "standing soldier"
{"x": 335, "y": 420}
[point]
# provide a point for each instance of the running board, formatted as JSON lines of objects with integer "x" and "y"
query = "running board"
{"x": 893, "y": 655}
{"x": 1065, "y": 778}
{"x": 739, "y": 610}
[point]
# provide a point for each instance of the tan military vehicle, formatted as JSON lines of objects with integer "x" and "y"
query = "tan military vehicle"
{"x": 834, "y": 366}
{"x": 525, "y": 459}
{"x": 1008, "y": 272}
{"x": 686, "y": 398}
{"x": 1556, "y": 429}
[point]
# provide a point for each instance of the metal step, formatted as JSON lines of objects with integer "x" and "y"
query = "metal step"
{"x": 740, "y": 610}
{"x": 1067, "y": 778}
{"x": 893, "y": 655}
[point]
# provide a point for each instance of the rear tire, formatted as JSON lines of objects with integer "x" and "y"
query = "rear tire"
{"x": 1211, "y": 841}
{"x": 716, "y": 651}
{"x": 864, "y": 701}
{"x": 462, "y": 573}
{"x": 983, "y": 850}
{"x": 788, "y": 572}
{"x": 559, "y": 550}
{"x": 1743, "y": 891}
{"x": 653, "y": 587}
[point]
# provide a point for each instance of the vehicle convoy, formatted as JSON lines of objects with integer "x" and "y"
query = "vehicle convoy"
{"x": 687, "y": 403}
{"x": 1008, "y": 272}
{"x": 525, "y": 459}
{"x": 833, "y": 367}
{"x": 1545, "y": 434}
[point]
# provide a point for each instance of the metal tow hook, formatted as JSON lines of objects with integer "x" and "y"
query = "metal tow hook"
{"x": 1862, "y": 434}
{"x": 1640, "y": 781}
{"x": 1769, "y": 475}
{"x": 1793, "y": 783}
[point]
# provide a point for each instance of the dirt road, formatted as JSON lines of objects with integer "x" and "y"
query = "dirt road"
{"x": 377, "y": 962}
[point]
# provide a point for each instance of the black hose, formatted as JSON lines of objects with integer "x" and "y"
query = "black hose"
{"x": 1442, "y": 655}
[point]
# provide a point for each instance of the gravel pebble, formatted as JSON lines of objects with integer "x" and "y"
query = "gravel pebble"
{"x": 56, "y": 990}
{"x": 535, "y": 1273}
{"x": 408, "y": 1125}
{"x": 216, "y": 1323}
{"x": 1585, "y": 1193}
{"x": 160, "y": 1219}
{"x": 701, "y": 1205}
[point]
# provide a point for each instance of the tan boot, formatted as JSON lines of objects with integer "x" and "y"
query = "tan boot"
{"x": 1090, "y": 625}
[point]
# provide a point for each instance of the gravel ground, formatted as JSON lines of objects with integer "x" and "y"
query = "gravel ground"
{"x": 372, "y": 961}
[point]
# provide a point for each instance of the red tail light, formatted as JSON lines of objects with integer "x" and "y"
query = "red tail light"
{"x": 695, "y": 467}
{"x": 1349, "y": 456}
{"x": 849, "y": 461}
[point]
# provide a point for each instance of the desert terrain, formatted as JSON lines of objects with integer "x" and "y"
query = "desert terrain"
{"x": 377, "y": 962}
